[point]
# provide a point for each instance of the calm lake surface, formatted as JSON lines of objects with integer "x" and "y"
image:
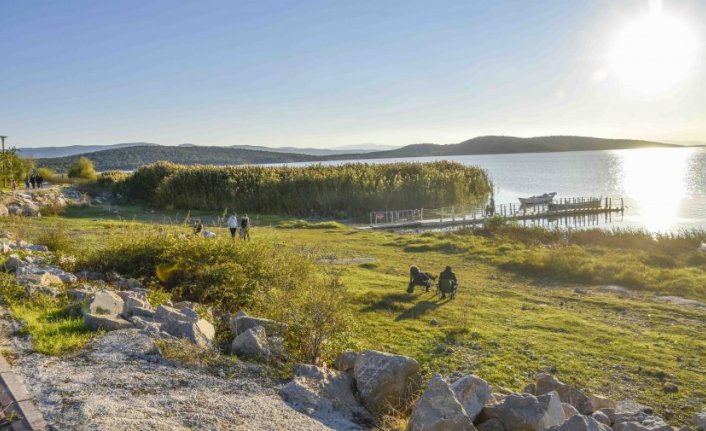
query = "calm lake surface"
{"x": 664, "y": 189}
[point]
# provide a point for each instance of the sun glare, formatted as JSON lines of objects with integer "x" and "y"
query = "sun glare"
{"x": 654, "y": 52}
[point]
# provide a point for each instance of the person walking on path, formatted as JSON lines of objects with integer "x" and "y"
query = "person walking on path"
{"x": 27, "y": 183}
{"x": 245, "y": 227}
{"x": 233, "y": 225}
{"x": 33, "y": 180}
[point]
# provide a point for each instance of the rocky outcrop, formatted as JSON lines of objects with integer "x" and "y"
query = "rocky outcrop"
{"x": 439, "y": 410}
{"x": 547, "y": 383}
{"x": 386, "y": 383}
{"x": 526, "y": 412}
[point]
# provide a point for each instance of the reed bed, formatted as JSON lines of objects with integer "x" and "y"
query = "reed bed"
{"x": 349, "y": 190}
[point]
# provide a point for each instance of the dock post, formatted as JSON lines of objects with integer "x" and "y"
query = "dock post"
{"x": 453, "y": 214}
{"x": 421, "y": 214}
{"x": 441, "y": 220}
{"x": 371, "y": 219}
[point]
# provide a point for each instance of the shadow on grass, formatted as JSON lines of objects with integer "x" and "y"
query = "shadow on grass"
{"x": 390, "y": 302}
{"x": 419, "y": 309}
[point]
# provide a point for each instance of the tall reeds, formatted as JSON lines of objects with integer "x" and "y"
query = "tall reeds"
{"x": 346, "y": 190}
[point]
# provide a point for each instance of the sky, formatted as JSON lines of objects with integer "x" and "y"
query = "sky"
{"x": 331, "y": 73}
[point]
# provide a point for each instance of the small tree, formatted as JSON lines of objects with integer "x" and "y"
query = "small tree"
{"x": 83, "y": 169}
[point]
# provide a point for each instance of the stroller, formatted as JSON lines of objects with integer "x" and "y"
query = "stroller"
{"x": 419, "y": 278}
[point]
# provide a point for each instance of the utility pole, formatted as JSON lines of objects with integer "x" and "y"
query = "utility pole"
{"x": 4, "y": 180}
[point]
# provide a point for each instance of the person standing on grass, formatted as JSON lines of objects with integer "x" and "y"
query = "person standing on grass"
{"x": 27, "y": 183}
{"x": 33, "y": 180}
{"x": 245, "y": 227}
{"x": 40, "y": 180}
{"x": 233, "y": 225}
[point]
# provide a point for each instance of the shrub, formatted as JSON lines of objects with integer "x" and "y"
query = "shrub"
{"x": 83, "y": 169}
{"x": 57, "y": 239}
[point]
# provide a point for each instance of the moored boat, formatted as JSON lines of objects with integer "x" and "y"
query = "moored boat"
{"x": 537, "y": 200}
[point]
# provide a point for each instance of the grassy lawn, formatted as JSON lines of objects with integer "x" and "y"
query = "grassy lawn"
{"x": 504, "y": 326}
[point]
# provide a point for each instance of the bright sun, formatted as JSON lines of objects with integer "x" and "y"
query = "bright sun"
{"x": 654, "y": 52}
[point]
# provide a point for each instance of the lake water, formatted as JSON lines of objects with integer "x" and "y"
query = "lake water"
{"x": 664, "y": 189}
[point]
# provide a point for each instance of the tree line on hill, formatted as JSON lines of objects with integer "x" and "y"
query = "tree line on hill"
{"x": 131, "y": 158}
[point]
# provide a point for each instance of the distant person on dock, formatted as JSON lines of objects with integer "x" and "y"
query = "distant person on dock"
{"x": 198, "y": 227}
{"x": 448, "y": 283}
{"x": 245, "y": 227}
{"x": 233, "y": 225}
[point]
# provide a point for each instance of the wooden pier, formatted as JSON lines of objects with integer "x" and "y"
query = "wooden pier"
{"x": 424, "y": 218}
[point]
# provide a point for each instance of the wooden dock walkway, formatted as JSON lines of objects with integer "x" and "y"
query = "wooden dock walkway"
{"x": 423, "y": 218}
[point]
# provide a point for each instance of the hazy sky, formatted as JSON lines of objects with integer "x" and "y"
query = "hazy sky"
{"x": 327, "y": 73}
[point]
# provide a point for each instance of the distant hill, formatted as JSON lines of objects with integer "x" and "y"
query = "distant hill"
{"x": 72, "y": 150}
{"x": 509, "y": 144}
{"x": 348, "y": 149}
{"x": 131, "y": 158}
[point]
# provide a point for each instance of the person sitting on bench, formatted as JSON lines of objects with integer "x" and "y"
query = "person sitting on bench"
{"x": 448, "y": 283}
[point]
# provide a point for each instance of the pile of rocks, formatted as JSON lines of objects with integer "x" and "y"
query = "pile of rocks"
{"x": 364, "y": 387}
{"x": 27, "y": 204}
{"x": 547, "y": 404}
{"x": 110, "y": 311}
{"x": 103, "y": 307}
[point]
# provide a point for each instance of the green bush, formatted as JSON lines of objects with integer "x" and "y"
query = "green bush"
{"x": 83, "y": 169}
{"x": 218, "y": 271}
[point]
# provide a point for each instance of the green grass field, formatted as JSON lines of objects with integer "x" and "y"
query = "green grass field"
{"x": 511, "y": 319}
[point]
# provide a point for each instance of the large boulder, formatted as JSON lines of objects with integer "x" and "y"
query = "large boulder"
{"x": 439, "y": 410}
{"x": 106, "y": 302}
{"x": 473, "y": 393}
{"x": 580, "y": 423}
{"x": 598, "y": 402}
{"x": 106, "y": 322}
{"x": 30, "y": 210}
{"x": 602, "y": 417}
{"x": 240, "y": 324}
{"x": 200, "y": 332}
{"x": 82, "y": 292}
{"x": 252, "y": 344}
{"x": 386, "y": 382}
{"x": 568, "y": 394}
{"x": 323, "y": 392}
{"x": 526, "y": 412}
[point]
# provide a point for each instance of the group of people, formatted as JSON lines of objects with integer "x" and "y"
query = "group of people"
{"x": 448, "y": 283}
{"x": 243, "y": 223}
{"x": 233, "y": 225}
{"x": 35, "y": 181}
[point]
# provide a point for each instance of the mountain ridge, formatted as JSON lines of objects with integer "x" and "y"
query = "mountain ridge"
{"x": 131, "y": 157}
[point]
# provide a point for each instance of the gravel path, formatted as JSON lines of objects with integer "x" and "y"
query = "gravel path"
{"x": 118, "y": 382}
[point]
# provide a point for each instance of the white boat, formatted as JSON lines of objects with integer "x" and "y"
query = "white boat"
{"x": 537, "y": 200}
